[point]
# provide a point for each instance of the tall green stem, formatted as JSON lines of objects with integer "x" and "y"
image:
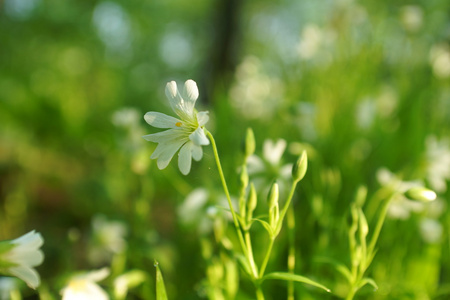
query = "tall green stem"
{"x": 379, "y": 225}
{"x": 291, "y": 254}
{"x": 227, "y": 194}
{"x": 285, "y": 207}
{"x": 266, "y": 258}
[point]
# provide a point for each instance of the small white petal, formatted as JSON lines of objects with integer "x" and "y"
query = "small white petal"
{"x": 29, "y": 275}
{"x": 199, "y": 138}
{"x": 171, "y": 90}
{"x": 162, "y": 148}
{"x": 97, "y": 275}
{"x": 31, "y": 239}
{"x": 165, "y": 136}
{"x": 197, "y": 152}
{"x": 185, "y": 158}
{"x": 202, "y": 118}
{"x": 255, "y": 165}
{"x": 29, "y": 257}
{"x": 169, "y": 151}
{"x": 160, "y": 120}
{"x": 191, "y": 91}
{"x": 273, "y": 152}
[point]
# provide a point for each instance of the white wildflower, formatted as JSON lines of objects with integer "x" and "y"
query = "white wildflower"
{"x": 84, "y": 287}
{"x": 186, "y": 133}
{"x": 438, "y": 163}
{"x": 108, "y": 239}
{"x": 400, "y": 206}
{"x": 264, "y": 170}
{"x": 19, "y": 256}
{"x": 431, "y": 230}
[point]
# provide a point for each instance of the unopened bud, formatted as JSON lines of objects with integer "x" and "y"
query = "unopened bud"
{"x": 420, "y": 194}
{"x": 244, "y": 177}
{"x": 251, "y": 203}
{"x": 249, "y": 143}
{"x": 363, "y": 226}
{"x": 300, "y": 167}
{"x": 273, "y": 195}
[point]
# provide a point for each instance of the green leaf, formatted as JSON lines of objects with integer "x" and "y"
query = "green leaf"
{"x": 368, "y": 281}
{"x": 339, "y": 267}
{"x": 293, "y": 277}
{"x": 266, "y": 226}
{"x": 160, "y": 288}
{"x": 244, "y": 263}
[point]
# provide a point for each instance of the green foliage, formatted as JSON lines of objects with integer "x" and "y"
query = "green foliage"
{"x": 362, "y": 87}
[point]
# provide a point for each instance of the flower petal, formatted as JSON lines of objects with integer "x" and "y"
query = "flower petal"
{"x": 26, "y": 257}
{"x": 29, "y": 275}
{"x": 273, "y": 152}
{"x": 165, "y": 136}
{"x": 202, "y": 118}
{"x": 199, "y": 138}
{"x": 197, "y": 152}
{"x": 161, "y": 120}
{"x": 191, "y": 91}
{"x": 185, "y": 158}
{"x": 168, "y": 152}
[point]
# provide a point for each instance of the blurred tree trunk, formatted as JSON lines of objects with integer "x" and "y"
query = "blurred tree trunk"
{"x": 222, "y": 60}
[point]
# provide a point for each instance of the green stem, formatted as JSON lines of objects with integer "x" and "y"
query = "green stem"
{"x": 251, "y": 259}
{"x": 351, "y": 294}
{"x": 291, "y": 254}
{"x": 227, "y": 194}
{"x": 285, "y": 207}
{"x": 378, "y": 226}
{"x": 266, "y": 258}
{"x": 259, "y": 294}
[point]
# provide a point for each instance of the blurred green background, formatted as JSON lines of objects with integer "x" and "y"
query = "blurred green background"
{"x": 362, "y": 85}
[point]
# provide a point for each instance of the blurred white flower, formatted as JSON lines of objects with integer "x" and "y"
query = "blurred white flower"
{"x": 400, "y": 206}
{"x": 268, "y": 168}
{"x": 431, "y": 230}
{"x": 126, "y": 117}
{"x": 366, "y": 111}
{"x": 19, "y": 256}
{"x": 438, "y": 163}
{"x": 108, "y": 238}
{"x": 84, "y": 287}
{"x": 255, "y": 94}
{"x": 186, "y": 133}
{"x": 196, "y": 210}
{"x": 7, "y": 285}
{"x": 314, "y": 44}
{"x": 440, "y": 60}
{"x": 411, "y": 17}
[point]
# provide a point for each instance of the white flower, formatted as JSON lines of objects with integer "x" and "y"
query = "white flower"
{"x": 21, "y": 255}
{"x": 264, "y": 170}
{"x": 108, "y": 238}
{"x": 438, "y": 163}
{"x": 186, "y": 132}
{"x": 400, "y": 206}
{"x": 84, "y": 287}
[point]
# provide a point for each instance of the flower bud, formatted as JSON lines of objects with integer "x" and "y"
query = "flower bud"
{"x": 420, "y": 194}
{"x": 251, "y": 203}
{"x": 244, "y": 177}
{"x": 300, "y": 167}
{"x": 273, "y": 195}
{"x": 249, "y": 143}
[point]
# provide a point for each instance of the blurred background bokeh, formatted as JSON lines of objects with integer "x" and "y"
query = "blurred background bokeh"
{"x": 363, "y": 86}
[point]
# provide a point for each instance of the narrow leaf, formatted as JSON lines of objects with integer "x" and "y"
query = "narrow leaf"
{"x": 368, "y": 281}
{"x": 266, "y": 226}
{"x": 160, "y": 288}
{"x": 339, "y": 267}
{"x": 293, "y": 277}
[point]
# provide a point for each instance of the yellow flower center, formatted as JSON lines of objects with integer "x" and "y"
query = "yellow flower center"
{"x": 178, "y": 124}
